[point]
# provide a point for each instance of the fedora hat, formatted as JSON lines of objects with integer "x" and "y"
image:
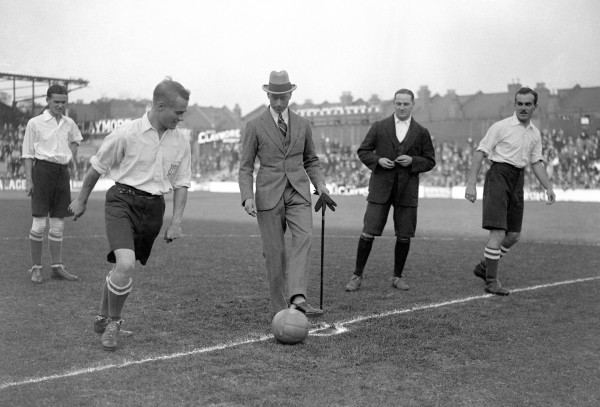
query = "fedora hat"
{"x": 279, "y": 83}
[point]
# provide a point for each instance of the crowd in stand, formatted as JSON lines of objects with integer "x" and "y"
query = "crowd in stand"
{"x": 11, "y": 147}
{"x": 573, "y": 161}
{"x": 216, "y": 161}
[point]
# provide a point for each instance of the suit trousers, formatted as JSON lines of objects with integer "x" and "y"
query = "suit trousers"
{"x": 287, "y": 274}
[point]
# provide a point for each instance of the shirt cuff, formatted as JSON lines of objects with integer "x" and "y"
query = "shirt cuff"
{"x": 97, "y": 166}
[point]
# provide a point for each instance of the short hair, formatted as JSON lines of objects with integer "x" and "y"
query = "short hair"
{"x": 168, "y": 90}
{"x": 526, "y": 91}
{"x": 56, "y": 89}
{"x": 405, "y": 92}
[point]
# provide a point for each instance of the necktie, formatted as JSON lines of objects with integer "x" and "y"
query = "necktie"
{"x": 282, "y": 126}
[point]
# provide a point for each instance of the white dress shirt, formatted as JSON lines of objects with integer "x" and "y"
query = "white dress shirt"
{"x": 508, "y": 141}
{"x": 285, "y": 115}
{"x": 402, "y": 127}
{"x": 134, "y": 155}
{"x": 47, "y": 140}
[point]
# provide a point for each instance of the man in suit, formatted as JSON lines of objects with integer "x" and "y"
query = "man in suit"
{"x": 283, "y": 143}
{"x": 396, "y": 149}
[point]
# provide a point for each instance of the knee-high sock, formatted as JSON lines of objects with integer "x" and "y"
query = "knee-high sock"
{"x": 116, "y": 298}
{"x": 362, "y": 254}
{"x": 55, "y": 239}
{"x": 492, "y": 257}
{"x": 103, "y": 311}
{"x": 36, "y": 238}
{"x": 400, "y": 255}
{"x": 35, "y": 244}
{"x": 503, "y": 251}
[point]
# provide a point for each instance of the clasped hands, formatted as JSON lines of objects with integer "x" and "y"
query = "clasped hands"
{"x": 402, "y": 160}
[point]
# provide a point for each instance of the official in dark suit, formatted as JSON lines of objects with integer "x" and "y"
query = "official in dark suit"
{"x": 283, "y": 143}
{"x": 396, "y": 149}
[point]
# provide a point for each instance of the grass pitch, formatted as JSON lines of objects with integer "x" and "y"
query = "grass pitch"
{"x": 199, "y": 312}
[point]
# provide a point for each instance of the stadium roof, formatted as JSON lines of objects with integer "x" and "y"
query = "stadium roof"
{"x": 17, "y": 85}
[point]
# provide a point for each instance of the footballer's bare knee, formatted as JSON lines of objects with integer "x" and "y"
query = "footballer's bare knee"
{"x": 120, "y": 277}
{"x": 496, "y": 238}
{"x": 512, "y": 237}
{"x": 125, "y": 264}
{"x": 367, "y": 236}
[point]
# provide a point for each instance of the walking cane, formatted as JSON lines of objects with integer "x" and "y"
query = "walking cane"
{"x": 322, "y": 252}
{"x": 324, "y": 203}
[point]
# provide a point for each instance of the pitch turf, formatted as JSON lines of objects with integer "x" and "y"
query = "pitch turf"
{"x": 201, "y": 332}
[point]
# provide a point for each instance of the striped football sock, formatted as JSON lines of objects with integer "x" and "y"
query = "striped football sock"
{"x": 35, "y": 243}
{"x": 55, "y": 246}
{"x": 116, "y": 298}
{"x": 104, "y": 302}
{"x": 492, "y": 257}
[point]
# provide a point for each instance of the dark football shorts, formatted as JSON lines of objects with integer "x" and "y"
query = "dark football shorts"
{"x": 405, "y": 219}
{"x": 133, "y": 220}
{"x": 51, "y": 194}
{"x": 503, "y": 201}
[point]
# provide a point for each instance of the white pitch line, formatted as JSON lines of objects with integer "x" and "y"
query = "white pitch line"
{"x": 340, "y": 327}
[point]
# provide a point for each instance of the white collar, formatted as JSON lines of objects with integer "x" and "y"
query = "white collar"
{"x": 285, "y": 114}
{"x": 48, "y": 116}
{"x": 407, "y": 121}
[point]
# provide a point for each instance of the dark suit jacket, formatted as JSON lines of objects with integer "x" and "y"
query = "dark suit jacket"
{"x": 381, "y": 141}
{"x": 298, "y": 164}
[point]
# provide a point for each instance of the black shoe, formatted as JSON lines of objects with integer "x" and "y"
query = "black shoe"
{"x": 480, "y": 270}
{"x": 307, "y": 310}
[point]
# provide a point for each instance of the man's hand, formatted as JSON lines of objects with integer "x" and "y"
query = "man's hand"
{"x": 29, "y": 187}
{"x": 404, "y": 160}
{"x": 324, "y": 199}
{"x": 250, "y": 207}
{"x": 551, "y": 196}
{"x": 77, "y": 208}
{"x": 471, "y": 193}
{"x": 386, "y": 163}
{"x": 173, "y": 232}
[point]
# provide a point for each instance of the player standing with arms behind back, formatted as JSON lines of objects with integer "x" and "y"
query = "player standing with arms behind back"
{"x": 50, "y": 142}
{"x": 147, "y": 158}
{"x": 510, "y": 144}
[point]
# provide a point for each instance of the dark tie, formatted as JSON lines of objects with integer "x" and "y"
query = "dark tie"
{"x": 282, "y": 126}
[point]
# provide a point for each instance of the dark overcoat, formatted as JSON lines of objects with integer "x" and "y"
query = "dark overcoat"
{"x": 381, "y": 141}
